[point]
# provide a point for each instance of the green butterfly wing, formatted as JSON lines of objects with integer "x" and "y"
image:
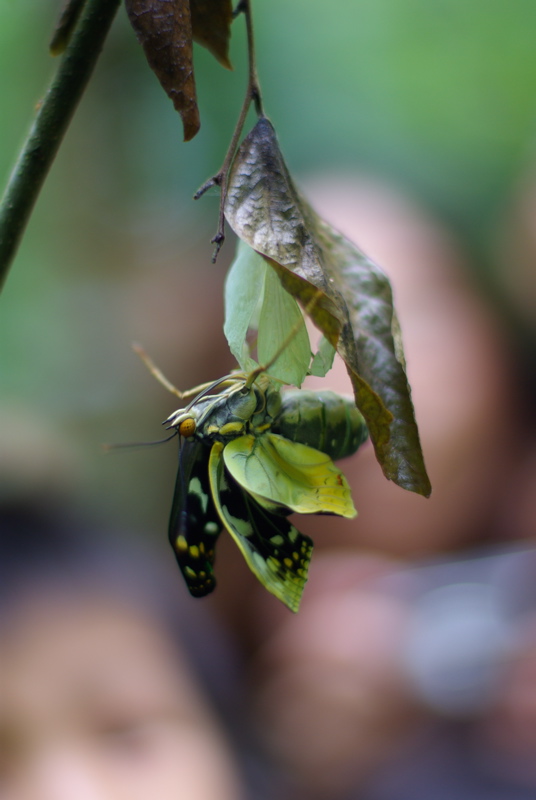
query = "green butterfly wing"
{"x": 275, "y": 470}
{"x": 194, "y": 524}
{"x": 275, "y": 551}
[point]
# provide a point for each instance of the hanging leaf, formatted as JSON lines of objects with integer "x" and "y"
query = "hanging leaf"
{"x": 380, "y": 358}
{"x": 280, "y": 315}
{"x": 164, "y": 29}
{"x": 252, "y": 285}
{"x": 323, "y": 358}
{"x": 244, "y": 285}
{"x": 354, "y": 307}
{"x": 211, "y": 27}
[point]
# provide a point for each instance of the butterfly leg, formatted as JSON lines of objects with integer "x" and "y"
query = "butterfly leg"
{"x": 161, "y": 378}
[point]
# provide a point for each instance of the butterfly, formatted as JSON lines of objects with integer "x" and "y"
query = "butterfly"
{"x": 250, "y": 455}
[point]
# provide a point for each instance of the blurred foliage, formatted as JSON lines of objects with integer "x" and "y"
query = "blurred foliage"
{"x": 437, "y": 96}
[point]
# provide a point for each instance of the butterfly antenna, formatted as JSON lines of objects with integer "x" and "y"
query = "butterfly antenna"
{"x": 123, "y": 445}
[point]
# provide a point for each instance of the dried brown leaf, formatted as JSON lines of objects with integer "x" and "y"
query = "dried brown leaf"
{"x": 211, "y": 27}
{"x": 355, "y": 308}
{"x": 164, "y": 29}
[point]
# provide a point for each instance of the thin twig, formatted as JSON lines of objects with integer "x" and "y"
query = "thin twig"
{"x": 253, "y": 94}
{"x": 52, "y": 120}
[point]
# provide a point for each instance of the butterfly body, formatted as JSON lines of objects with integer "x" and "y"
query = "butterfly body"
{"x": 232, "y": 412}
{"x": 321, "y": 419}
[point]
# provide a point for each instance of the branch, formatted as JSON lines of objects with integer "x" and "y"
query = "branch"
{"x": 253, "y": 94}
{"x": 50, "y": 125}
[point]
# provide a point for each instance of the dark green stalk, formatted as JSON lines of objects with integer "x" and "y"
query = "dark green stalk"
{"x": 50, "y": 125}
{"x": 253, "y": 94}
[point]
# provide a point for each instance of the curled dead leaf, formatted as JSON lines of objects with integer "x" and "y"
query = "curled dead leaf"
{"x": 164, "y": 29}
{"x": 211, "y": 27}
{"x": 354, "y": 309}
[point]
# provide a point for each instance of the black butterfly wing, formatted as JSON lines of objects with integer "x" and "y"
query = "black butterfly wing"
{"x": 194, "y": 524}
{"x": 275, "y": 551}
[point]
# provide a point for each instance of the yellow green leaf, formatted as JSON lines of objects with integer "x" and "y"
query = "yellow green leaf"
{"x": 290, "y": 474}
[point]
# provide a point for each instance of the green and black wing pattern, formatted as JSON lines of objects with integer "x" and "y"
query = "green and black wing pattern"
{"x": 249, "y": 458}
{"x": 275, "y": 551}
{"x": 194, "y": 524}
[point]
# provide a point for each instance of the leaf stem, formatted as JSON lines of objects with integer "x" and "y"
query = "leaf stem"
{"x": 253, "y": 94}
{"x": 253, "y": 79}
{"x": 50, "y": 124}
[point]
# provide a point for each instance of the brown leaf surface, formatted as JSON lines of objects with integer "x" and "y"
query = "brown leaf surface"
{"x": 164, "y": 29}
{"x": 211, "y": 27}
{"x": 355, "y": 308}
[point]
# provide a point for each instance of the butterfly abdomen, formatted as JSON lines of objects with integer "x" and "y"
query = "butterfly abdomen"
{"x": 327, "y": 421}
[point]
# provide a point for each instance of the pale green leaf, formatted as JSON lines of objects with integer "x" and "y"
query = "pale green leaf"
{"x": 323, "y": 358}
{"x": 244, "y": 288}
{"x": 272, "y": 468}
{"x": 281, "y": 318}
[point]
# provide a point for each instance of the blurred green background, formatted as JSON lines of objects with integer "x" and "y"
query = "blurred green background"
{"x": 437, "y": 97}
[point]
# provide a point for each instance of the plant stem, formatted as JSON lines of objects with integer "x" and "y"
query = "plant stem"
{"x": 49, "y": 127}
{"x": 253, "y": 94}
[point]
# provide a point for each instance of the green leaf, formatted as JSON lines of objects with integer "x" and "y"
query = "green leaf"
{"x": 323, "y": 358}
{"x": 289, "y": 474}
{"x": 347, "y": 296}
{"x": 280, "y": 315}
{"x": 244, "y": 286}
{"x": 251, "y": 285}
